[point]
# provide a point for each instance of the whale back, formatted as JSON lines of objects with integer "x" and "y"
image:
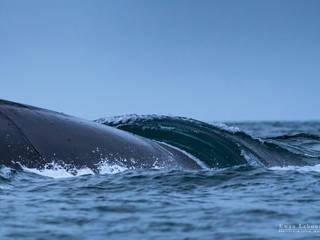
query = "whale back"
{"x": 33, "y": 136}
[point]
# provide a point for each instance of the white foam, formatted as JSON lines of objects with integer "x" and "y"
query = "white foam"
{"x": 58, "y": 171}
{"x": 105, "y": 168}
{"x": 125, "y": 118}
{"x": 225, "y": 127}
{"x": 315, "y": 168}
{"x": 55, "y": 170}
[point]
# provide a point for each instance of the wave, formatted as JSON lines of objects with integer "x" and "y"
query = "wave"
{"x": 6, "y": 173}
{"x": 296, "y": 136}
{"x": 301, "y": 169}
{"x": 216, "y": 145}
{"x": 211, "y": 145}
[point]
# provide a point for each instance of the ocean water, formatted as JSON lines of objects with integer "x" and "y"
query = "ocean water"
{"x": 236, "y": 201}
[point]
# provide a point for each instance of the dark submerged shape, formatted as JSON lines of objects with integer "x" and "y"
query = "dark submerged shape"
{"x": 33, "y": 137}
{"x": 216, "y": 146}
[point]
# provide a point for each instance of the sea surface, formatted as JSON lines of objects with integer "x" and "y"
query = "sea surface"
{"x": 245, "y": 201}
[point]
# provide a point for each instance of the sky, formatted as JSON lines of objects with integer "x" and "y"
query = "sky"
{"x": 225, "y": 60}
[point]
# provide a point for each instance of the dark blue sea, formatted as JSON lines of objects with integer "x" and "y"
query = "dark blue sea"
{"x": 245, "y": 201}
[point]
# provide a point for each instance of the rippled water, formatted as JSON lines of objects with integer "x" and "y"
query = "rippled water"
{"x": 241, "y": 202}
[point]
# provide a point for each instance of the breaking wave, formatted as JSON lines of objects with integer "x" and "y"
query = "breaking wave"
{"x": 211, "y": 145}
{"x": 217, "y": 145}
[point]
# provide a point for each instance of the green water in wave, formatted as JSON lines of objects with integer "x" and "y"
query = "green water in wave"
{"x": 202, "y": 140}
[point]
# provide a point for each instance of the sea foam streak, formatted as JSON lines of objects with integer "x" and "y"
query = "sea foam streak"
{"x": 58, "y": 171}
{"x": 315, "y": 168}
{"x": 55, "y": 170}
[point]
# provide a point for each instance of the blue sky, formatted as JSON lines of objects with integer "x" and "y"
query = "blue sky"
{"x": 210, "y": 60}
